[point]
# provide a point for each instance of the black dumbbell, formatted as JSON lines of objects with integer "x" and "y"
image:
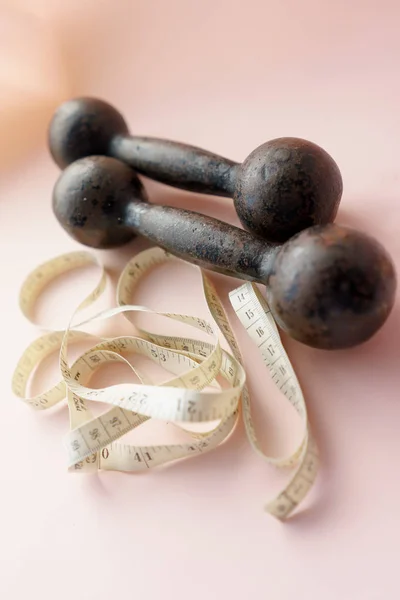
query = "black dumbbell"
{"x": 328, "y": 287}
{"x": 283, "y": 187}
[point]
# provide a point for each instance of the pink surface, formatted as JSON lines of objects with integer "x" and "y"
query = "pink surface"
{"x": 225, "y": 75}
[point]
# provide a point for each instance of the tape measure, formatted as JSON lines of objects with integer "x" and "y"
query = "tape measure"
{"x": 93, "y": 443}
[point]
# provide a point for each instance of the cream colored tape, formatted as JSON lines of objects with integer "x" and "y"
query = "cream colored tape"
{"x": 94, "y": 442}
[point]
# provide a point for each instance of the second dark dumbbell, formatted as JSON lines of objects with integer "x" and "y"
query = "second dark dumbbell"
{"x": 329, "y": 287}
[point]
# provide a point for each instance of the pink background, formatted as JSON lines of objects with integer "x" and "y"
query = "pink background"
{"x": 225, "y": 75}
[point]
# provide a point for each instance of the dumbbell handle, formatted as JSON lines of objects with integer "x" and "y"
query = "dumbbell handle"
{"x": 176, "y": 164}
{"x": 205, "y": 241}
{"x": 328, "y": 286}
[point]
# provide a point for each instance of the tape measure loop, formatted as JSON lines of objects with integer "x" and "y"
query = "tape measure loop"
{"x": 93, "y": 442}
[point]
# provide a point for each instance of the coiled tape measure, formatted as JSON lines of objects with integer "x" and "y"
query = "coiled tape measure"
{"x": 93, "y": 443}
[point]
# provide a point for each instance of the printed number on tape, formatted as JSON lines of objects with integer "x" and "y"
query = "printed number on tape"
{"x": 94, "y": 442}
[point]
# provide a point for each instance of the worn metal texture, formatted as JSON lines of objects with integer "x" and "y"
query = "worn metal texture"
{"x": 91, "y": 201}
{"x": 328, "y": 287}
{"x": 176, "y": 164}
{"x": 332, "y": 287}
{"x": 204, "y": 241}
{"x": 83, "y": 127}
{"x": 287, "y": 185}
{"x": 283, "y": 187}
{"x": 90, "y": 127}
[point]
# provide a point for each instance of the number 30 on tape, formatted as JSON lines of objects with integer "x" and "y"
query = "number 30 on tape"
{"x": 93, "y": 443}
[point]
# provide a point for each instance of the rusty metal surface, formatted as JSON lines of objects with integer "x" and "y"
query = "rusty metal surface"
{"x": 83, "y": 127}
{"x": 91, "y": 201}
{"x": 329, "y": 287}
{"x": 281, "y": 188}
{"x": 176, "y": 164}
{"x": 285, "y": 186}
{"x": 332, "y": 287}
{"x": 203, "y": 240}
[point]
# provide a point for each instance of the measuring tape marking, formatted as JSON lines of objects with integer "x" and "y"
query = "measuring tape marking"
{"x": 92, "y": 442}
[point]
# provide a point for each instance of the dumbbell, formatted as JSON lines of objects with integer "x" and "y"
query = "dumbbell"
{"x": 329, "y": 287}
{"x": 283, "y": 187}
